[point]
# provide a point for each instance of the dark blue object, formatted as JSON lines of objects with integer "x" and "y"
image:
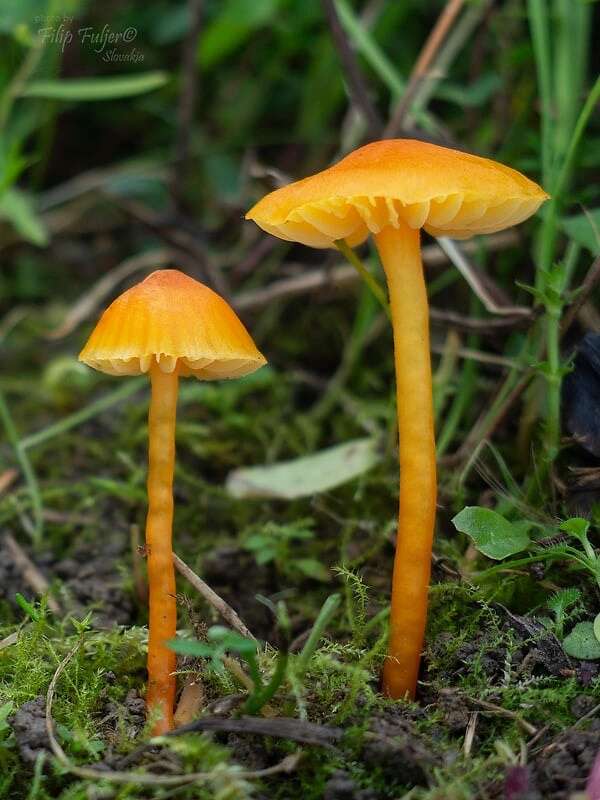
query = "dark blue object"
{"x": 581, "y": 395}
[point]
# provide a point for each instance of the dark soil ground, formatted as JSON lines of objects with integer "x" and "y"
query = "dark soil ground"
{"x": 505, "y": 668}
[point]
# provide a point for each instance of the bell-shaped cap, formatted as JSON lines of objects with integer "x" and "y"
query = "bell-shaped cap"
{"x": 447, "y": 192}
{"x": 176, "y": 321}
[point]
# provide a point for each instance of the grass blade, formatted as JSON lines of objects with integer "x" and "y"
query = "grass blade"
{"x": 79, "y": 417}
{"x": 26, "y": 468}
{"x": 93, "y": 89}
{"x": 328, "y": 609}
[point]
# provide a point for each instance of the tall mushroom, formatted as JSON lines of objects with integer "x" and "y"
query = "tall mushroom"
{"x": 392, "y": 189}
{"x": 168, "y": 326}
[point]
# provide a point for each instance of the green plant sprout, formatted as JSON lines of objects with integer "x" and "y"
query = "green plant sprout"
{"x": 281, "y": 545}
{"x": 221, "y": 641}
{"x": 498, "y": 538}
{"x": 560, "y": 604}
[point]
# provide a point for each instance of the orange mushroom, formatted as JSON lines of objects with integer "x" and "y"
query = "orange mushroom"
{"x": 392, "y": 189}
{"x": 169, "y": 325}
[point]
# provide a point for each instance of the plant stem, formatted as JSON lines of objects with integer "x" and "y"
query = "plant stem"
{"x": 460, "y": 402}
{"x": 260, "y": 698}
{"x": 553, "y": 378}
{"x": 328, "y": 609}
{"x": 400, "y": 254}
{"x": 162, "y": 623}
{"x": 26, "y": 468}
{"x": 540, "y": 35}
{"x": 556, "y": 281}
{"x": 364, "y": 273}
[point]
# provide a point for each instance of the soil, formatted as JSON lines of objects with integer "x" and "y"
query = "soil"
{"x": 252, "y": 752}
{"x": 341, "y": 787}
{"x": 234, "y": 574}
{"x": 29, "y": 727}
{"x": 557, "y": 771}
{"x": 129, "y": 716}
{"x": 11, "y": 579}
{"x": 393, "y": 746}
{"x": 562, "y": 768}
{"x": 533, "y": 653}
{"x": 89, "y": 577}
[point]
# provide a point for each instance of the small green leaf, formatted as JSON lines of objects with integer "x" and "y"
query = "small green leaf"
{"x": 560, "y": 601}
{"x": 92, "y": 89}
{"x": 492, "y": 534}
{"x": 122, "y": 490}
{"x": 231, "y": 640}
{"x": 472, "y": 95}
{"x": 6, "y": 709}
{"x": 576, "y": 526}
{"x": 264, "y": 556}
{"x": 582, "y": 642}
{"x": 584, "y": 229}
{"x": 27, "y": 607}
{"x": 190, "y": 647}
{"x": 312, "y": 569}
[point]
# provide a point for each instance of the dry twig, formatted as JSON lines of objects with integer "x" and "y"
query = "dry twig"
{"x": 211, "y": 597}
{"x": 495, "y": 709}
{"x": 31, "y": 574}
{"x": 477, "y": 283}
{"x": 422, "y": 65}
{"x": 470, "y": 733}
{"x": 357, "y": 87}
{"x": 12, "y": 319}
{"x": 7, "y": 478}
{"x": 9, "y": 640}
{"x": 342, "y": 276}
{"x": 296, "y": 730}
{"x": 564, "y": 732}
{"x": 187, "y": 101}
{"x": 177, "y": 231}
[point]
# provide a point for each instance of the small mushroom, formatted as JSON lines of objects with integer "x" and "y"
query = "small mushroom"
{"x": 168, "y": 326}
{"x": 392, "y": 189}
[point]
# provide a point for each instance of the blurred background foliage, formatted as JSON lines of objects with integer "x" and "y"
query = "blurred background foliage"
{"x": 135, "y": 136}
{"x": 144, "y": 131}
{"x": 270, "y": 95}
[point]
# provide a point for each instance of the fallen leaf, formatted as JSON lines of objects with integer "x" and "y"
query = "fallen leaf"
{"x": 307, "y": 475}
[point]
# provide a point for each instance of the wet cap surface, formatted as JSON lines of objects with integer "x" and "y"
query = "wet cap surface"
{"x": 176, "y": 321}
{"x": 444, "y": 191}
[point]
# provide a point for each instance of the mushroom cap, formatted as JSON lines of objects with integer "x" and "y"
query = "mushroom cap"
{"x": 177, "y": 321}
{"x": 447, "y": 192}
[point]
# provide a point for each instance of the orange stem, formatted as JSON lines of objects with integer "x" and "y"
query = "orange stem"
{"x": 162, "y": 623}
{"x": 400, "y": 253}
